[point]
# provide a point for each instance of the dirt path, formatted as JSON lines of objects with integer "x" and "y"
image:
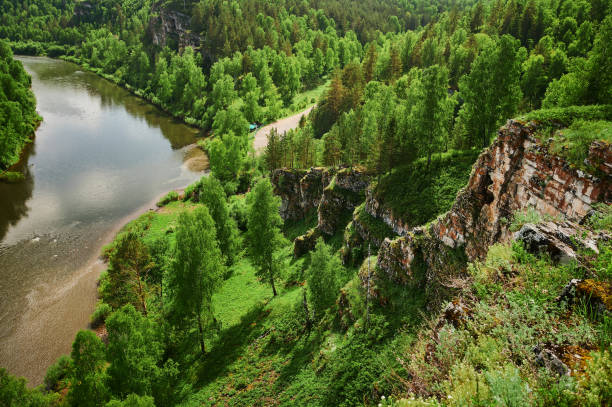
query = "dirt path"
{"x": 288, "y": 123}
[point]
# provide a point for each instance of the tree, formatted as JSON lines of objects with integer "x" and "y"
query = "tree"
{"x": 369, "y": 62}
{"x": 134, "y": 351}
{"x": 197, "y": 270}
{"x": 263, "y": 233}
{"x": 430, "y": 113}
{"x": 321, "y": 278}
{"x": 14, "y": 392}
{"x": 88, "y": 385}
{"x": 211, "y": 193}
{"x": 129, "y": 266}
{"x": 226, "y": 156}
{"x": 534, "y": 79}
{"x": 491, "y": 91}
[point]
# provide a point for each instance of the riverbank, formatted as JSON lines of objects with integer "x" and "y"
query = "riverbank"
{"x": 101, "y": 157}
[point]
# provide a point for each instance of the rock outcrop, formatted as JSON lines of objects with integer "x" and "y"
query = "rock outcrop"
{"x": 333, "y": 193}
{"x": 171, "y": 26}
{"x": 515, "y": 173}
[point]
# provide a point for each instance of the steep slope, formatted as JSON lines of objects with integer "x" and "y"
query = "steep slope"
{"x": 517, "y": 172}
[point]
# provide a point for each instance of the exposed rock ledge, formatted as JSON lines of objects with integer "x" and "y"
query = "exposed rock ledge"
{"x": 333, "y": 193}
{"x": 514, "y": 173}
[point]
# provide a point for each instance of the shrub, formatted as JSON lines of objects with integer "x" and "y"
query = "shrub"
{"x": 507, "y": 387}
{"x": 101, "y": 312}
{"x": 170, "y": 196}
{"x": 596, "y": 384}
{"x": 58, "y": 372}
{"x": 520, "y": 218}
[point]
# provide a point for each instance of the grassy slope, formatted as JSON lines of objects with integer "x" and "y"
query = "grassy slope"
{"x": 417, "y": 194}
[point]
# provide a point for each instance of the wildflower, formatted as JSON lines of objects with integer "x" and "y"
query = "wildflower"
{"x": 382, "y": 397}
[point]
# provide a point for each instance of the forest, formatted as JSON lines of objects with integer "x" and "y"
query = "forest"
{"x": 18, "y": 118}
{"x": 208, "y": 301}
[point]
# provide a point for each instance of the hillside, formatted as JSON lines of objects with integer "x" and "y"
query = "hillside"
{"x": 436, "y": 232}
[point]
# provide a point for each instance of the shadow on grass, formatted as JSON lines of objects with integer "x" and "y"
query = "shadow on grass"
{"x": 230, "y": 345}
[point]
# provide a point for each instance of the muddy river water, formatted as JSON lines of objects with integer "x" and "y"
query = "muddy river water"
{"x": 100, "y": 156}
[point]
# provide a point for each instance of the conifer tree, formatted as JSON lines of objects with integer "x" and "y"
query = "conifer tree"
{"x": 491, "y": 91}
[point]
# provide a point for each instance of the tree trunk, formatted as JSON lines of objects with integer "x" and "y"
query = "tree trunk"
{"x": 272, "y": 284}
{"x": 202, "y": 346}
{"x": 306, "y": 311}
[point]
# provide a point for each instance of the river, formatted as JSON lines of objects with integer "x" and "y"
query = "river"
{"x": 100, "y": 156}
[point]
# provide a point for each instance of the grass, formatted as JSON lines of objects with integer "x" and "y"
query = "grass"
{"x": 567, "y": 115}
{"x": 307, "y": 98}
{"x": 417, "y": 194}
{"x": 573, "y": 143}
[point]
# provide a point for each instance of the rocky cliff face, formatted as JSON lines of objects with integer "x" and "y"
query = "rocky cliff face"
{"x": 167, "y": 26}
{"x": 515, "y": 173}
{"x": 333, "y": 193}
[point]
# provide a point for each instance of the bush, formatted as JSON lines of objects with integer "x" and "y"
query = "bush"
{"x": 58, "y": 372}
{"x": 238, "y": 210}
{"x": 170, "y": 196}
{"x": 102, "y": 311}
{"x": 521, "y": 218}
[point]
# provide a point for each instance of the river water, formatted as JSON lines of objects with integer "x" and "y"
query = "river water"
{"x": 100, "y": 156}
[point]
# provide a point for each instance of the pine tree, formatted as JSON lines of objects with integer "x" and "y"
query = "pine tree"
{"x": 491, "y": 91}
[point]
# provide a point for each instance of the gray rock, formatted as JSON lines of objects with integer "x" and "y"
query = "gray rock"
{"x": 546, "y": 358}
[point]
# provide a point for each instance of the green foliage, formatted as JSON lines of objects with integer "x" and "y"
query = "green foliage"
{"x": 129, "y": 265}
{"x": 322, "y": 278}
{"x": 18, "y": 118}
{"x": 15, "y": 393}
{"x": 133, "y": 400}
{"x": 134, "y": 351}
{"x": 88, "y": 384}
{"x": 197, "y": 270}
{"x": 263, "y": 235}
{"x": 601, "y": 219}
{"x": 211, "y": 193}
{"x": 520, "y": 218}
{"x": 58, "y": 372}
{"x": 596, "y": 386}
{"x": 169, "y": 197}
{"x": 566, "y": 116}
{"x": 416, "y": 194}
{"x": 573, "y": 143}
{"x": 99, "y": 315}
{"x": 491, "y": 90}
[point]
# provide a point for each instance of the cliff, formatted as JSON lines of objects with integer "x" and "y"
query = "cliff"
{"x": 333, "y": 193}
{"x": 517, "y": 172}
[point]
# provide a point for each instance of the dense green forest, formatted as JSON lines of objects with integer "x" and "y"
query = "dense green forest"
{"x": 18, "y": 118}
{"x": 204, "y": 301}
